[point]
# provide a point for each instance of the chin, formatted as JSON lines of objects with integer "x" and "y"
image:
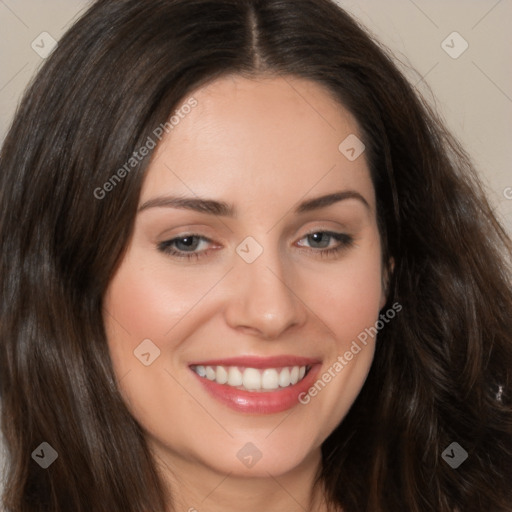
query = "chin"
{"x": 258, "y": 457}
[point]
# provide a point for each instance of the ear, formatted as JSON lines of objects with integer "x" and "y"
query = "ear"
{"x": 387, "y": 272}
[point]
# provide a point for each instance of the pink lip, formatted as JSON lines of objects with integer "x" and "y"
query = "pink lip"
{"x": 254, "y": 402}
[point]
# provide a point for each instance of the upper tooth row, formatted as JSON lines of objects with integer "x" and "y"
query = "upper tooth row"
{"x": 252, "y": 378}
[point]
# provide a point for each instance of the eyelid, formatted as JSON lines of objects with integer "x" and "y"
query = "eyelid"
{"x": 340, "y": 231}
{"x": 166, "y": 246}
{"x": 344, "y": 240}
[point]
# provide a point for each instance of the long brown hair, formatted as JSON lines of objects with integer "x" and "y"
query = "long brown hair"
{"x": 442, "y": 368}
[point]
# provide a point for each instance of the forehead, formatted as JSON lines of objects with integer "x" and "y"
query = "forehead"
{"x": 256, "y": 138}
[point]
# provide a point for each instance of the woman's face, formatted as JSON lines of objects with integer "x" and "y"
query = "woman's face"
{"x": 255, "y": 261}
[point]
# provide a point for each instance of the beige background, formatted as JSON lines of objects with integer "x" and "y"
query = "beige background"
{"x": 473, "y": 92}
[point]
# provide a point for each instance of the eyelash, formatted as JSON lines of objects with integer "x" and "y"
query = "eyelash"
{"x": 167, "y": 247}
{"x": 344, "y": 242}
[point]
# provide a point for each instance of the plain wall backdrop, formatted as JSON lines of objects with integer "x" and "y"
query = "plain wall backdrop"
{"x": 471, "y": 87}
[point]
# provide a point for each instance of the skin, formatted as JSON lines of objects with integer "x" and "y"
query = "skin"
{"x": 262, "y": 145}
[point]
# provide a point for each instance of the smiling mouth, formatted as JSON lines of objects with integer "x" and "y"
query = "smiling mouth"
{"x": 253, "y": 379}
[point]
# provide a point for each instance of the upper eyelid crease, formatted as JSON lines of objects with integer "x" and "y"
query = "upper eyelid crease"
{"x": 223, "y": 209}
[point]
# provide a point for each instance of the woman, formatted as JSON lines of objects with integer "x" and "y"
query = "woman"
{"x": 244, "y": 267}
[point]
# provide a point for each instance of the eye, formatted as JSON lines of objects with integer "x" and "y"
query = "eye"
{"x": 326, "y": 242}
{"x": 186, "y": 246}
{"x": 194, "y": 246}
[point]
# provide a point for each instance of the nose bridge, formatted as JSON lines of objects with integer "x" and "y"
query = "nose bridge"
{"x": 262, "y": 300}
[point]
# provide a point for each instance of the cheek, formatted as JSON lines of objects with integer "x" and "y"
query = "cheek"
{"x": 136, "y": 308}
{"x": 348, "y": 296}
{"x": 150, "y": 300}
{"x": 146, "y": 302}
{"x": 347, "y": 299}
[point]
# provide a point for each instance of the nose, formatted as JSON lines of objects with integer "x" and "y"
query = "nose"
{"x": 262, "y": 301}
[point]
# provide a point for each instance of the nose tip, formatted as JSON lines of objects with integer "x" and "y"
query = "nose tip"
{"x": 262, "y": 303}
{"x": 268, "y": 327}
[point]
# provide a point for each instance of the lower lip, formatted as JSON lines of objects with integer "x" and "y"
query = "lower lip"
{"x": 254, "y": 402}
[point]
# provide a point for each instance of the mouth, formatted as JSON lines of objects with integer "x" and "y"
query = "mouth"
{"x": 257, "y": 385}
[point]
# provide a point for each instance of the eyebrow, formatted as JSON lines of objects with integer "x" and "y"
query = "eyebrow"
{"x": 223, "y": 209}
{"x": 209, "y": 206}
{"x": 324, "y": 201}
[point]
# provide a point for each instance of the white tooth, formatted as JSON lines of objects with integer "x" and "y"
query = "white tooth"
{"x": 270, "y": 379}
{"x": 201, "y": 371}
{"x": 221, "y": 375}
{"x": 294, "y": 375}
{"x": 284, "y": 378}
{"x": 234, "y": 376}
{"x": 210, "y": 373}
{"x": 252, "y": 379}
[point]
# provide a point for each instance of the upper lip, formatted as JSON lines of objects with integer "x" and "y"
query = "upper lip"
{"x": 260, "y": 362}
